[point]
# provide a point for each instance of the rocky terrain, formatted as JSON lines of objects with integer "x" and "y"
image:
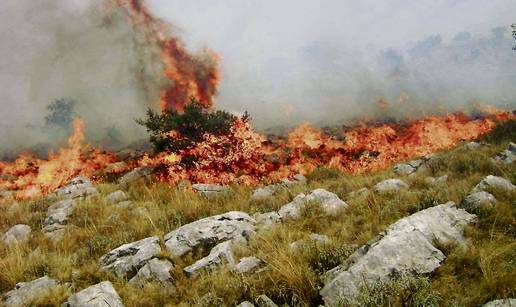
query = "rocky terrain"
{"x": 438, "y": 230}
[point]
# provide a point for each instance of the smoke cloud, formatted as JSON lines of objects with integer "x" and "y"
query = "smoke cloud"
{"x": 76, "y": 50}
{"x": 331, "y": 61}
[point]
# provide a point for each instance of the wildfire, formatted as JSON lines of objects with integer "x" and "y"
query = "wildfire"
{"x": 245, "y": 156}
{"x": 31, "y": 177}
{"x": 190, "y": 75}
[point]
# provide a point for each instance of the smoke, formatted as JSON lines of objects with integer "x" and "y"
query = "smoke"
{"x": 283, "y": 61}
{"x": 77, "y": 50}
{"x": 332, "y": 61}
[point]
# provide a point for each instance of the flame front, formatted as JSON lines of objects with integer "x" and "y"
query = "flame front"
{"x": 245, "y": 156}
{"x": 31, "y": 177}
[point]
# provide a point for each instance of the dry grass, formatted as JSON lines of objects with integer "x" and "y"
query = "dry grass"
{"x": 485, "y": 271}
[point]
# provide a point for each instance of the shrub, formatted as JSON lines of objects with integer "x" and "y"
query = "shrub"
{"x": 173, "y": 131}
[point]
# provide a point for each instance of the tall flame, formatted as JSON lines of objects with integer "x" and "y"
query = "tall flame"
{"x": 31, "y": 177}
{"x": 190, "y": 75}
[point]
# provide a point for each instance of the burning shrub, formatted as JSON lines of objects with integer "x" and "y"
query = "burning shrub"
{"x": 173, "y": 131}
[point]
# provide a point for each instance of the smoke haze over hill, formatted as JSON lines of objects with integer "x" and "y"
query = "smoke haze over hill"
{"x": 283, "y": 62}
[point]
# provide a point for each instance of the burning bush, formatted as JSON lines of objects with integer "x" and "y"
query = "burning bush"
{"x": 173, "y": 131}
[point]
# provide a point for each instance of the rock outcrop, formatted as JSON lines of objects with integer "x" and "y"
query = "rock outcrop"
{"x": 508, "y": 302}
{"x": 17, "y": 234}
{"x": 129, "y": 258}
{"x": 390, "y": 185}
{"x": 57, "y": 218}
{"x": 406, "y": 247}
{"x": 507, "y": 156}
{"x": 155, "y": 270}
{"x": 474, "y": 201}
{"x": 100, "y": 295}
{"x": 491, "y": 183}
{"x": 24, "y": 293}
{"x": 77, "y": 187}
{"x": 248, "y": 265}
{"x": 210, "y": 231}
{"x": 221, "y": 253}
{"x": 330, "y": 204}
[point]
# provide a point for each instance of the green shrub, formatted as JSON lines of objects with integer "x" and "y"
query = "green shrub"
{"x": 174, "y": 131}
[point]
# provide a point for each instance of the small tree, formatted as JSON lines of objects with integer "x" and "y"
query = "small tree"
{"x": 174, "y": 131}
{"x": 61, "y": 113}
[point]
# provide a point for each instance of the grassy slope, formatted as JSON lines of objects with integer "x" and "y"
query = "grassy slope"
{"x": 485, "y": 271}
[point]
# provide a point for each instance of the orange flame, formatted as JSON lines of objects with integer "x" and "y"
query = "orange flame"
{"x": 31, "y": 177}
{"x": 191, "y": 75}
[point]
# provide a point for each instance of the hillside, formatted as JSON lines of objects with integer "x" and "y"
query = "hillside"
{"x": 400, "y": 243}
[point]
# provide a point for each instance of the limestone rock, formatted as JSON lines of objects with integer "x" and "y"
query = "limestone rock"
{"x": 116, "y": 197}
{"x": 248, "y": 265}
{"x": 100, "y": 295}
{"x": 130, "y": 257}
{"x": 221, "y": 253}
{"x": 404, "y": 169}
{"x": 330, "y": 204}
{"x": 134, "y": 175}
{"x": 507, "y": 156}
{"x": 245, "y": 304}
{"x": 262, "y": 194}
{"x": 267, "y": 220}
{"x": 264, "y": 301}
{"x": 17, "y": 234}
{"x": 155, "y": 270}
{"x": 210, "y": 190}
{"x": 210, "y": 231}
{"x": 406, "y": 247}
{"x": 494, "y": 183}
{"x": 79, "y": 186}
{"x": 57, "y": 219}
{"x": 26, "y": 292}
{"x": 358, "y": 192}
{"x": 390, "y": 185}
{"x": 473, "y": 201}
{"x": 473, "y": 145}
{"x": 508, "y": 302}
{"x": 433, "y": 181}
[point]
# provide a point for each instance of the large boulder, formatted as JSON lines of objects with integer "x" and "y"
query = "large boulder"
{"x": 17, "y": 234}
{"x": 156, "y": 271}
{"x": 405, "y": 247}
{"x": 264, "y": 301}
{"x": 24, "y": 293}
{"x": 129, "y": 258}
{"x": 390, "y": 185}
{"x": 496, "y": 183}
{"x": 79, "y": 186}
{"x": 404, "y": 169}
{"x": 210, "y": 231}
{"x": 210, "y": 190}
{"x": 221, "y": 253}
{"x": 508, "y": 302}
{"x": 100, "y": 295}
{"x": 143, "y": 172}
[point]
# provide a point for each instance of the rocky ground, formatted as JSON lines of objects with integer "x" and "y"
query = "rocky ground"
{"x": 435, "y": 231}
